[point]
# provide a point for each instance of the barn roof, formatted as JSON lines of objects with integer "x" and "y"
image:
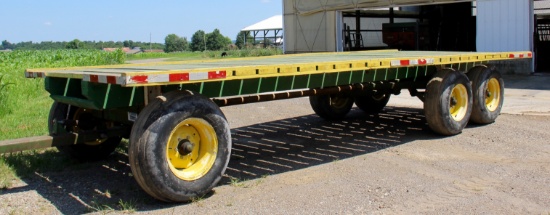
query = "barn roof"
{"x": 272, "y": 23}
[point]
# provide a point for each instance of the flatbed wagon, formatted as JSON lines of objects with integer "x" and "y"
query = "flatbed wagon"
{"x": 180, "y": 141}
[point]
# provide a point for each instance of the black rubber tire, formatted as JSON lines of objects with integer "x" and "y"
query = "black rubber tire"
{"x": 479, "y": 77}
{"x": 150, "y": 133}
{"x": 325, "y": 106}
{"x": 438, "y": 99}
{"x": 372, "y": 103}
{"x": 82, "y": 151}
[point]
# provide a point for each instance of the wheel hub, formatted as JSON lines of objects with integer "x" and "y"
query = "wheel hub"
{"x": 185, "y": 147}
{"x": 338, "y": 101}
{"x": 191, "y": 149}
{"x": 453, "y": 101}
{"x": 458, "y": 103}
{"x": 492, "y": 94}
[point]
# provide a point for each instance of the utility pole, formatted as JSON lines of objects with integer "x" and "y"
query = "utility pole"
{"x": 150, "y": 45}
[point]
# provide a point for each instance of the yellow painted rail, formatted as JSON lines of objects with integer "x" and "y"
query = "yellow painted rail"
{"x": 185, "y": 72}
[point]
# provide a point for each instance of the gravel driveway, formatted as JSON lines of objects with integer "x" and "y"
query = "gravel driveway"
{"x": 286, "y": 160}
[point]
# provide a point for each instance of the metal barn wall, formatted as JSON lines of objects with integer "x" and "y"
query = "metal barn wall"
{"x": 504, "y": 25}
{"x": 308, "y": 32}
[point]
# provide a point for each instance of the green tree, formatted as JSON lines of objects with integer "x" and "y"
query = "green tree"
{"x": 7, "y": 45}
{"x": 197, "y": 41}
{"x": 174, "y": 43}
{"x": 128, "y": 43}
{"x": 75, "y": 44}
{"x": 240, "y": 42}
{"x": 216, "y": 41}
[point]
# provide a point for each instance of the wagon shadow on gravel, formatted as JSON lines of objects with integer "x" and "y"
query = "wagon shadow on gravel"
{"x": 258, "y": 151}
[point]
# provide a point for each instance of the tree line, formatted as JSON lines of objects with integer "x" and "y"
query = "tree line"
{"x": 200, "y": 41}
{"x": 77, "y": 44}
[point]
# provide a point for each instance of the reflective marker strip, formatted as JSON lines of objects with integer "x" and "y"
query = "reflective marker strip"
{"x": 34, "y": 75}
{"x": 412, "y": 62}
{"x": 105, "y": 79}
{"x": 529, "y": 55}
{"x": 176, "y": 77}
{"x": 198, "y": 76}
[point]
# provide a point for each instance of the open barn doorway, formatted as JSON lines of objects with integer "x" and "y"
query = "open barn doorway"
{"x": 445, "y": 27}
{"x": 542, "y": 36}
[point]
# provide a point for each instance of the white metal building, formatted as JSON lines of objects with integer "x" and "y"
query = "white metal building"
{"x": 267, "y": 29}
{"x": 318, "y": 26}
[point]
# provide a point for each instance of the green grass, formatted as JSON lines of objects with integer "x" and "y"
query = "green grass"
{"x": 237, "y": 182}
{"x": 199, "y": 200}
{"x": 182, "y": 56}
{"x": 7, "y": 175}
{"x": 104, "y": 207}
{"x": 127, "y": 206}
{"x": 24, "y": 104}
{"x": 154, "y": 55}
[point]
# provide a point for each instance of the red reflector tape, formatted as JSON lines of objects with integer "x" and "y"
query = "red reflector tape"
{"x": 94, "y": 78}
{"x": 104, "y": 79}
{"x": 412, "y": 62}
{"x": 178, "y": 77}
{"x": 522, "y": 55}
{"x": 139, "y": 79}
{"x": 175, "y": 77}
{"x": 34, "y": 75}
{"x": 111, "y": 79}
{"x": 216, "y": 74}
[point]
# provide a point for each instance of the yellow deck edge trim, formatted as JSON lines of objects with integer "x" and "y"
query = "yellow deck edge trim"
{"x": 250, "y": 72}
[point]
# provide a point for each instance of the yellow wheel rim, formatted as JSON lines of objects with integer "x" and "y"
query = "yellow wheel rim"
{"x": 191, "y": 149}
{"x": 458, "y": 104}
{"x": 338, "y": 102}
{"x": 492, "y": 94}
{"x": 379, "y": 97}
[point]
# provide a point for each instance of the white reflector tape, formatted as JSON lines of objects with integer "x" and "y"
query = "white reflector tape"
{"x": 198, "y": 76}
{"x": 104, "y": 79}
{"x": 158, "y": 78}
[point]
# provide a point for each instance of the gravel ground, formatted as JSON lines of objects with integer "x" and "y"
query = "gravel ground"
{"x": 289, "y": 161}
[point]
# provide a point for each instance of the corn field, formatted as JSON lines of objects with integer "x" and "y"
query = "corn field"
{"x": 24, "y": 104}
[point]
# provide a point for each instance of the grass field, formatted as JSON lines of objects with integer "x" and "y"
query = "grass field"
{"x": 178, "y": 56}
{"x": 25, "y": 105}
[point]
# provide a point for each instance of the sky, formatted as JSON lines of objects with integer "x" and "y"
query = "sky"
{"x": 119, "y": 20}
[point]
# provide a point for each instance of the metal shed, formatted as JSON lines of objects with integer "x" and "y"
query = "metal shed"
{"x": 318, "y": 26}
